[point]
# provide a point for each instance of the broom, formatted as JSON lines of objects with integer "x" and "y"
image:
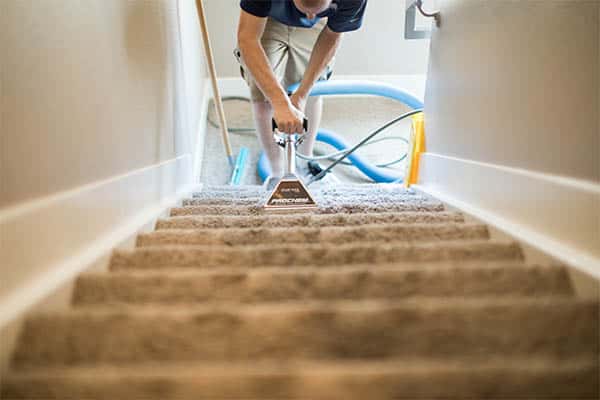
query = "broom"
{"x": 237, "y": 164}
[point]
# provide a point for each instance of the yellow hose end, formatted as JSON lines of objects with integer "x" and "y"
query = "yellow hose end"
{"x": 417, "y": 146}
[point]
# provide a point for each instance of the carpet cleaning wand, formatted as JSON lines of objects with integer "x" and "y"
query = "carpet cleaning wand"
{"x": 289, "y": 193}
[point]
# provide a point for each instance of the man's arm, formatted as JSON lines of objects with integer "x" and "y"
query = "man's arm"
{"x": 323, "y": 52}
{"x": 250, "y": 30}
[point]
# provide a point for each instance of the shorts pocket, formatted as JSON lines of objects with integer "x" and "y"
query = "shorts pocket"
{"x": 238, "y": 56}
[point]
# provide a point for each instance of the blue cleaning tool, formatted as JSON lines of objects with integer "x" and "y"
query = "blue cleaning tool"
{"x": 239, "y": 166}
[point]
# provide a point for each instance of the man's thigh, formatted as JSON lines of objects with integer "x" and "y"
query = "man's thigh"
{"x": 288, "y": 50}
{"x": 275, "y": 43}
{"x": 301, "y": 44}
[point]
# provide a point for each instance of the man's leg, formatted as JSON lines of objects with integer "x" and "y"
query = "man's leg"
{"x": 302, "y": 42}
{"x": 313, "y": 112}
{"x": 263, "y": 114}
{"x": 273, "y": 42}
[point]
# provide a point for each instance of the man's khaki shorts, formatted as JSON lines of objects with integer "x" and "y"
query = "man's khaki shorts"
{"x": 288, "y": 49}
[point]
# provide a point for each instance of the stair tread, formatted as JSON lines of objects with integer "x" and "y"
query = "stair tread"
{"x": 334, "y": 207}
{"x": 398, "y": 267}
{"x": 268, "y": 284}
{"x": 320, "y": 306}
{"x": 370, "y": 329}
{"x": 323, "y": 194}
{"x": 316, "y": 367}
{"x": 383, "y": 245}
{"x": 224, "y": 189}
{"x": 507, "y": 377}
{"x": 391, "y": 225}
{"x": 255, "y": 255}
{"x": 388, "y": 187}
{"x": 274, "y": 220}
{"x": 332, "y": 234}
{"x": 324, "y": 199}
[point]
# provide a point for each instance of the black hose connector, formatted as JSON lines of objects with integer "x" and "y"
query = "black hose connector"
{"x": 304, "y": 125}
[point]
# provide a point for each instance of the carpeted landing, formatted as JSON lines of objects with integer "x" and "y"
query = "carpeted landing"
{"x": 379, "y": 294}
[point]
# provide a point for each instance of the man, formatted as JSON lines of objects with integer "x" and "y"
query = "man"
{"x": 281, "y": 42}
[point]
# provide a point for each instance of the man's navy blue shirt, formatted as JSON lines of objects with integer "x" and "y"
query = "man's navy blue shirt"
{"x": 343, "y": 15}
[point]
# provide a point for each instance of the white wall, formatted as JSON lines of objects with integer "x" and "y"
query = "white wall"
{"x": 524, "y": 96}
{"x": 89, "y": 91}
{"x": 102, "y": 104}
{"x": 378, "y": 48}
{"x": 512, "y": 119}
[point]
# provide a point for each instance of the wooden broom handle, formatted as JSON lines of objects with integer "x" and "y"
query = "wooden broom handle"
{"x": 213, "y": 77}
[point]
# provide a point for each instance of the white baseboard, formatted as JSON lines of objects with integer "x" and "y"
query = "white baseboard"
{"x": 48, "y": 242}
{"x": 557, "y": 215}
{"x": 414, "y": 84}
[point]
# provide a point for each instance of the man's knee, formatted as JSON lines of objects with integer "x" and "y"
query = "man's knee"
{"x": 261, "y": 104}
{"x": 314, "y": 100}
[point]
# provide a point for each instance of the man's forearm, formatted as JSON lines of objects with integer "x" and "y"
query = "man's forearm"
{"x": 323, "y": 52}
{"x": 257, "y": 62}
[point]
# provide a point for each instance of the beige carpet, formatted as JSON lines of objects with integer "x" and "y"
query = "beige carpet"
{"x": 380, "y": 294}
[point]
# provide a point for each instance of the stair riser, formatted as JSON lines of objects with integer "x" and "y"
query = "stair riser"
{"x": 324, "y": 332}
{"x": 315, "y": 255}
{"x": 360, "y": 284}
{"x": 427, "y": 206}
{"x": 577, "y": 382}
{"x": 329, "y": 235}
{"x": 307, "y": 220}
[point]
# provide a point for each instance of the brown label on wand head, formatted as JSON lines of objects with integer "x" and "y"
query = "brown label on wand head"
{"x": 290, "y": 193}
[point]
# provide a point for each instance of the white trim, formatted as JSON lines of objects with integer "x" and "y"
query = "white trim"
{"x": 414, "y": 84}
{"x": 557, "y": 215}
{"x": 573, "y": 183}
{"x": 47, "y": 242}
{"x": 19, "y": 210}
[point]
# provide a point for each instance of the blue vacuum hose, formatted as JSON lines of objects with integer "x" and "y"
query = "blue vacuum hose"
{"x": 377, "y": 174}
{"x": 329, "y": 88}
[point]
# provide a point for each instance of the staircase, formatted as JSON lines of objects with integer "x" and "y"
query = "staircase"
{"x": 381, "y": 293}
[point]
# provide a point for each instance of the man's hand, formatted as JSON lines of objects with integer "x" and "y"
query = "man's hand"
{"x": 288, "y": 117}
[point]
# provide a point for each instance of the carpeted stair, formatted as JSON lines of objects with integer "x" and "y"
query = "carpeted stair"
{"x": 379, "y": 294}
